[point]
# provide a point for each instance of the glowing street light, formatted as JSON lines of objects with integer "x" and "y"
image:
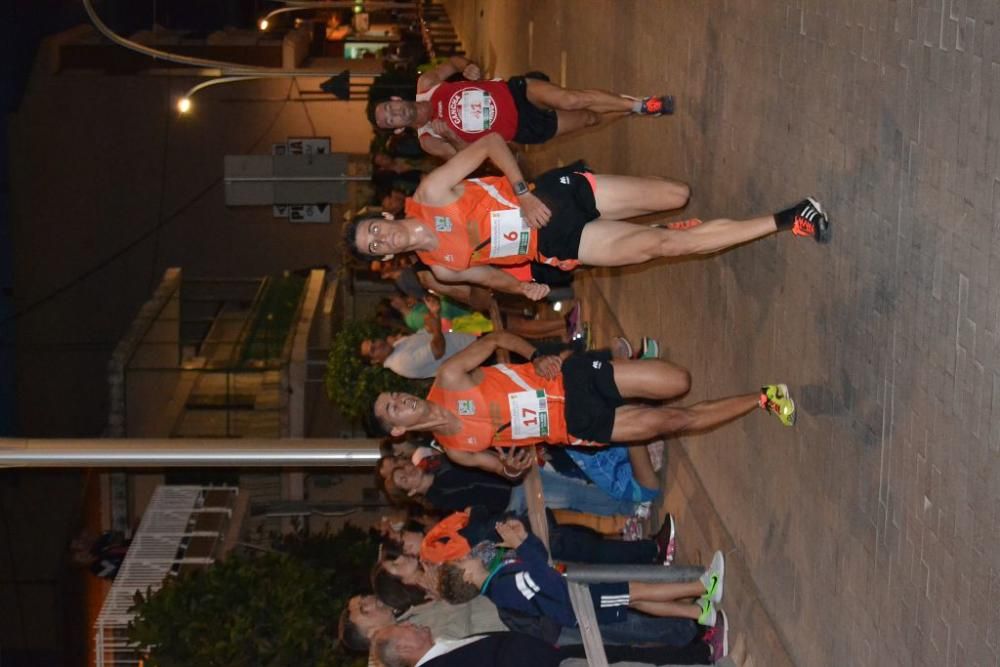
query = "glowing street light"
{"x": 184, "y": 104}
{"x": 265, "y": 22}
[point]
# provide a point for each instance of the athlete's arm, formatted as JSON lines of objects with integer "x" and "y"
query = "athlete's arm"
{"x": 483, "y": 460}
{"x": 438, "y": 187}
{"x": 493, "y": 278}
{"x": 437, "y": 147}
{"x": 469, "y": 70}
{"x": 472, "y": 357}
{"x": 477, "y": 298}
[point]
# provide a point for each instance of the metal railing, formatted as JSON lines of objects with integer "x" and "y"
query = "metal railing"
{"x": 158, "y": 551}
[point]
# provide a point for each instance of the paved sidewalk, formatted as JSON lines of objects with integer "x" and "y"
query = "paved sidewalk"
{"x": 871, "y": 531}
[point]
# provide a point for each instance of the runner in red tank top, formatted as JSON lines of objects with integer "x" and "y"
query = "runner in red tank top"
{"x": 525, "y": 109}
{"x": 467, "y": 230}
{"x": 579, "y": 399}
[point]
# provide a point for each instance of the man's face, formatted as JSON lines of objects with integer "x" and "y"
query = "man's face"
{"x": 376, "y": 350}
{"x": 369, "y": 614}
{"x": 380, "y": 238}
{"x": 395, "y": 113}
{"x": 411, "y": 641}
{"x": 401, "y": 411}
{"x": 407, "y": 477}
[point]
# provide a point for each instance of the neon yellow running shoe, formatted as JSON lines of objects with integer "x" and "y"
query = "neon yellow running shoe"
{"x": 775, "y": 399}
{"x": 708, "y": 612}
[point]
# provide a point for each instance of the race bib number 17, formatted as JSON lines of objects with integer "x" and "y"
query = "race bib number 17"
{"x": 529, "y": 414}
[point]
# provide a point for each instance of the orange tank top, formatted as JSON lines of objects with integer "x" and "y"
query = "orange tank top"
{"x": 483, "y": 226}
{"x": 513, "y": 405}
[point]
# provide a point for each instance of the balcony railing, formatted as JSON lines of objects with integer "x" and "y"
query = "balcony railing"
{"x": 183, "y": 527}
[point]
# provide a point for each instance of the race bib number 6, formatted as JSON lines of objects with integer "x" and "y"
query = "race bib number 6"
{"x": 529, "y": 414}
{"x": 509, "y": 236}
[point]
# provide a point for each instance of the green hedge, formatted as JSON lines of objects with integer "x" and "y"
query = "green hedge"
{"x": 272, "y": 609}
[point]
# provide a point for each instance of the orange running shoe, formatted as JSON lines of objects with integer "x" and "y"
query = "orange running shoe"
{"x": 657, "y": 106}
{"x": 811, "y": 220}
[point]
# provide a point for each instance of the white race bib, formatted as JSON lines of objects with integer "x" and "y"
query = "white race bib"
{"x": 473, "y": 118}
{"x": 529, "y": 414}
{"x": 508, "y": 234}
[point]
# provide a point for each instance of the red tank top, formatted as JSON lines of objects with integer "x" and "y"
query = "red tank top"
{"x": 480, "y": 227}
{"x": 538, "y": 405}
{"x": 474, "y": 108}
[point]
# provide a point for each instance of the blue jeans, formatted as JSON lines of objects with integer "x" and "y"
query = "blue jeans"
{"x": 566, "y": 493}
{"x": 639, "y": 628}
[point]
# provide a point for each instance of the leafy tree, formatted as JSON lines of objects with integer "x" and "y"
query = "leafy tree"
{"x": 275, "y": 609}
{"x": 351, "y": 382}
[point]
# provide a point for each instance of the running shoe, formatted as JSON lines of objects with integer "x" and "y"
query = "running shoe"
{"x": 650, "y": 348}
{"x": 708, "y": 614}
{"x": 775, "y": 399}
{"x": 717, "y": 637}
{"x": 666, "y": 542}
{"x": 713, "y": 578}
{"x": 811, "y": 220}
{"x": 657, "y": 106}
{"x": 621, "y": 348}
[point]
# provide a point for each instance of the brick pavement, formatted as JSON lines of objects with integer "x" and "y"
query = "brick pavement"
{"x": 871, "y": 531}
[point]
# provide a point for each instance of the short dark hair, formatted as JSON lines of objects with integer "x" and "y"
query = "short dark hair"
{"x": 370, "y": 111}
{"x": 351, "y": 636}
{"x": 391, "y": 590}
{"x": 453, "y": 586}
{"x": 378, "y": 426}
{"x": 351, "y": 238}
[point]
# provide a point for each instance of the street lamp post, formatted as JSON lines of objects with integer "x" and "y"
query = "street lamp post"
{"x": 187, "y": 452}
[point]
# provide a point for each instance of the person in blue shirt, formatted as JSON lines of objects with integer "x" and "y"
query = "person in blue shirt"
{"x": 522, "y": 580}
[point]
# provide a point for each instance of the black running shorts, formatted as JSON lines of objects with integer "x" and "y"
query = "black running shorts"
{"x": 534, "y": 124}
{"x": 570, "y": 197}
{"x": 591, "y": 396}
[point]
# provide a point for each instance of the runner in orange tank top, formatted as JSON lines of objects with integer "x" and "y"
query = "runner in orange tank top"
{"x": 575, "y": 399}
{"x": 486, "y": 410}
{"x": 473, "y": 231}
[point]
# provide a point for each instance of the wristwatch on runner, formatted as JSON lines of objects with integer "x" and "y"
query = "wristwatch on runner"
{"x": 521, "y": 188}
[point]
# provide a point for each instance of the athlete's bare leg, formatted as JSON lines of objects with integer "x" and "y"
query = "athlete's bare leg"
{"x": 617, "y": 243}
{"x": 571, "y": 121}
{"x": 642, "y": 422}
{"x": 655, "y": 379}
{"x": 620, "y": 197}
{"x": 550, "y": 96}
